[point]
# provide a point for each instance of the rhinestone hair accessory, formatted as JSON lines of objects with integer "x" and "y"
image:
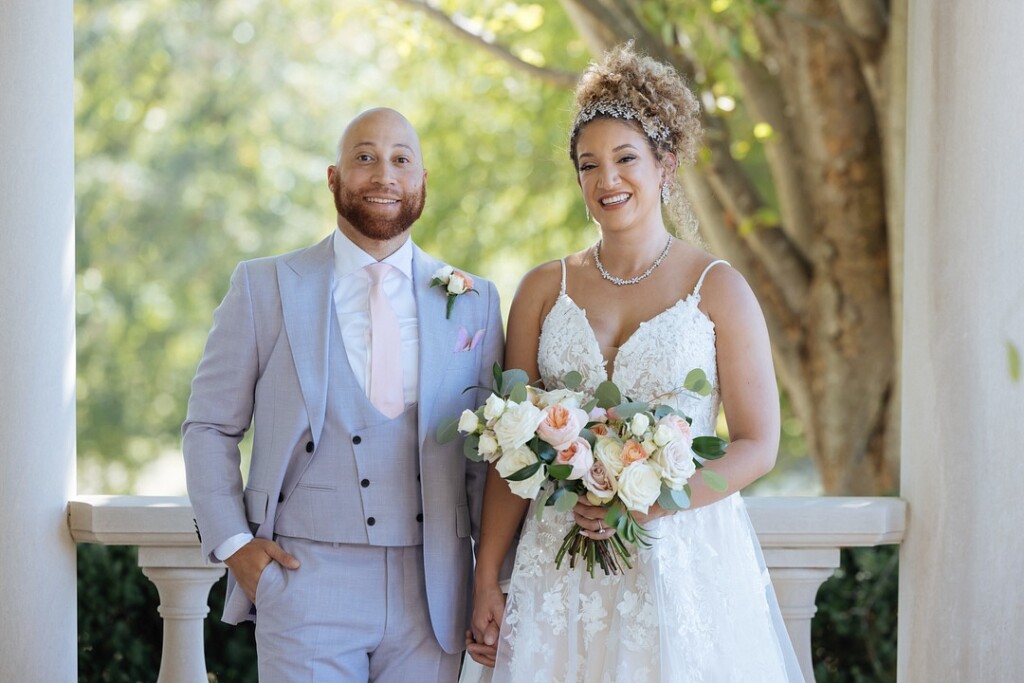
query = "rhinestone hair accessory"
{"x": 653, "y": 127}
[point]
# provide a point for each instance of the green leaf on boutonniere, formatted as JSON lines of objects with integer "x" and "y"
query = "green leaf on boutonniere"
{"x": 709, "y": 447}
{"x": 447, "y": 430}
{"x": 525, "y": 473}
{"x": 572, "y": 380}
{"x": 608, "y": 395}
{"x": 697, "y": 382}
{"x": 448, "y": 307}
{"x": 469, "y": 448}
{"x": 714, "y": 480}
{"x": 436, "y": 282}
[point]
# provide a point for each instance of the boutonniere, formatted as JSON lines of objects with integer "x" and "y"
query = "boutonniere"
{"x": 455, "y": 283}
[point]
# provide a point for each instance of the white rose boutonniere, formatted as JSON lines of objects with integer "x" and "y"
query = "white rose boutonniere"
{"x": 454, "y": 283}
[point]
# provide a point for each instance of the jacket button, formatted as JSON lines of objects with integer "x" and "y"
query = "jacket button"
{"x": 419, "y": 517}
{"x": 370, "y": 521}
{"x": 364, "y": 483}
{"x": 357, "y": 439}
{"x": 309, "y": 446}
{"x": 280, "y": 498}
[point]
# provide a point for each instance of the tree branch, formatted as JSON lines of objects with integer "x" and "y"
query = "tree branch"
{"x": 558, "y": 77}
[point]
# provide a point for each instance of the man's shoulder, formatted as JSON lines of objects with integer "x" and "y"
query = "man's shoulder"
{"x": 432, "y": 264}
{"x": 268, "y": 264}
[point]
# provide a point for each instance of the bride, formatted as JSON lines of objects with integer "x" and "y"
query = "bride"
{"x": 643, "y": 308}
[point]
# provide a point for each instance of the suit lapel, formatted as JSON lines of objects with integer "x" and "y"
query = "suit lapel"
{"x": 436, "y": 337}
{"x": 306, "y": 281}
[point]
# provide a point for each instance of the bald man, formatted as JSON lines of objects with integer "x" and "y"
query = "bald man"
{"x": 349, "y": 543}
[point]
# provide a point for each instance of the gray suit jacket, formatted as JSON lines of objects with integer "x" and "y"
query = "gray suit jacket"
{"x": 265, "y": 364}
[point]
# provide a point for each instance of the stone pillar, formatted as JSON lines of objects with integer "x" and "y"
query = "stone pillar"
{"x": 37, "y": 341}
{"x": 960, "y": 616}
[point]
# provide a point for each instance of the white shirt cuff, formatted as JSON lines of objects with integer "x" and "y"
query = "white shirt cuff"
{"x": 231, "y": 546}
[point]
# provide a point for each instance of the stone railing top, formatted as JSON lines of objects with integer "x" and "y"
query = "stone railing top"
{"x": 780, "y": 522}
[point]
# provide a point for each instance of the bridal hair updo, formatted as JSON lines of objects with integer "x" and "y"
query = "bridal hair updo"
{"x": 652, "y": 96}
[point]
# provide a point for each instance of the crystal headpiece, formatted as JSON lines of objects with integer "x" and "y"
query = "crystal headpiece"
{"x": 653, "y": 127}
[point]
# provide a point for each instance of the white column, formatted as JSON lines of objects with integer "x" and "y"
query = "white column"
{"x": 37, "y": 341}
{"x": 960, "y": 615}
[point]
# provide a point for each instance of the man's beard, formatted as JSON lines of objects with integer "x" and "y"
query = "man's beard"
{"x": 353, "y": 209}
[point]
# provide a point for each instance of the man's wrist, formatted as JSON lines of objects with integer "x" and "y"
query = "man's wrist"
{"x": 232, "y": 545}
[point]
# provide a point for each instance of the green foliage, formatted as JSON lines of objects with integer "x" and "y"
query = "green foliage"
{"x": 853, "y": 634}
{"x": 120, "y": 632}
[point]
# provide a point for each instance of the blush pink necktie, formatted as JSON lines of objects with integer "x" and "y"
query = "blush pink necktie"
{"x": 385, "y": 391}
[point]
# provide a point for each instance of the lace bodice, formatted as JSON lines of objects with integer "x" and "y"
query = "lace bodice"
{"x": 650, "y": 366}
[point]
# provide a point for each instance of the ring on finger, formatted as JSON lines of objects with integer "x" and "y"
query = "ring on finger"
{"x": 600, "y": 528}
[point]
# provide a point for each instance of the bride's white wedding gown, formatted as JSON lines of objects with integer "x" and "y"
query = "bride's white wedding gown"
{"x": 698, "y": 606}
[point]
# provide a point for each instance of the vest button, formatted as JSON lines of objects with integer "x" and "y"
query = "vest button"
{"x": 357, "y": 439}
{"x": 370, "y": 521}
{"x": 419, "y": 517}
{"x": 309, "y": 446}
{"x": 364, "y": 483}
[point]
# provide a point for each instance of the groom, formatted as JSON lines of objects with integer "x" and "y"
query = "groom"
{"x": 349, "y": 542}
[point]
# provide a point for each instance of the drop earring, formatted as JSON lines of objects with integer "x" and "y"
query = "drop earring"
{"x": 666, "y": 194}
{"x": 588, "y": 212}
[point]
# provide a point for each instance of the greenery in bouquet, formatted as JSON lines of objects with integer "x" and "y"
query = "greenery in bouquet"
{"x": 560, "y": 445}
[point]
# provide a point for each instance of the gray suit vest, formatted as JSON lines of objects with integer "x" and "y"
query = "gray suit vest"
{"x": 362, "y": 484}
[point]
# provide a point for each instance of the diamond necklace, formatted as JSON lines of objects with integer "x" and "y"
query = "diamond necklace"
{"x": 633, "y": 280}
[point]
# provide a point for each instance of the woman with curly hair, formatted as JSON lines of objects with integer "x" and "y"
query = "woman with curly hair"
{"x": 641, "y": 307}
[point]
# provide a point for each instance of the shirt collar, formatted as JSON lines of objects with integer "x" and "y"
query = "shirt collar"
{"x": 349, "y": 258}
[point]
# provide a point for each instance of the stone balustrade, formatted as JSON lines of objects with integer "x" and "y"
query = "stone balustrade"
{"x": 800, "y": 537}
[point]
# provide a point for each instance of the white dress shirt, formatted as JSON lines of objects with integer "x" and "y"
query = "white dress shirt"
{"x": 352, "y": 306}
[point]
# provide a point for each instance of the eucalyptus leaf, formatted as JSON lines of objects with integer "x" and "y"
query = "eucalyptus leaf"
{"x": 590, "y": 405}
{"x": 526, "y": 472}
{"x": 590, "y": 436}
{"x": 542, "y": 501}
{"x": 518, "y": 393}
{"x": 512, "y": 377}
{"x": 697, "y": 382}
{"x": 709, "y": 447}
{"x": 470, "y": 448}
{"x": 567, "y": 501}
{"x": 607, "y": 395}
{"x": 447, "y": 430}
{"x": 572, "y": 380}
{"x": 714, "y": 480}
{"x": 668, "y": 501}
{"x": 555, "y": 495}
{"x": 662, "y": 410}
{"x": 628, "y": 410}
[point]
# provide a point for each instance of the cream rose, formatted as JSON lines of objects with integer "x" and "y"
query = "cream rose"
{"x": 608, "y": 450}
{"x": 639, "y": 424}
{"x": 675, "y": 464}
{"x": 671, "y": 428}
{"x": 488, "y": 446}
{"x": 468, "y": 422}
{"x": 560, "y": 425}
{"x": 459, "y": 283}
{"x": 443, "y": 273}
{"x": 493, "y": 407}
{"x": 516, "y": 459}
{"x": 600, "y": 484}
{"x": 579, "y": 455}
{"x": 639, "y": 486}
{"x": 565, "y": 397}
{"x": 516, "y": 425}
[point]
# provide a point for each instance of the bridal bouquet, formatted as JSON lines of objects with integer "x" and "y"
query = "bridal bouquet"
{"x": 559, "y": 445}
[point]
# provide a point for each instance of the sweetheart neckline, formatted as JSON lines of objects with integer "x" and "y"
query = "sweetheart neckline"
{"x": 609, "y": 376}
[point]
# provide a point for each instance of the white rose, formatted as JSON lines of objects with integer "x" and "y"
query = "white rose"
{"x": 609, "y": 451}
{"x": 494, "y": 407}
{"x": 513, "y": 461}
{"x": 664, "y": 434}
{"x": 649, "y": 445}
{"x": 443, "y": 273}
{"x": 516, "y": 425}
{"x": 565, "y": 397}
{"x": 468, "y": 422}
{"x": 456, "y": 285}
{"x": 488, "y": 446}
{"x": 639, "y": 424}
{"x": 639, "y": 486}
{"x": 675, "y": 462}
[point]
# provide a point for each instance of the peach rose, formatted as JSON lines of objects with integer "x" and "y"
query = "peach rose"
{"x": 560, "y": 425}
{"x": 633, "y": 452}
{"x": 600, "y": 429}
{"x": 579, "y": 455}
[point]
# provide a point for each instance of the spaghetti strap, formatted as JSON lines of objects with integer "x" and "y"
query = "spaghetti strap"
{"x": 700, "y": 280}
{"x": 562, "y": 292}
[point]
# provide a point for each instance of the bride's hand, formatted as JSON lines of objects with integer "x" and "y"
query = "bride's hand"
{"x": 591, "y": 518}
{"x": 488, "y": 611}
